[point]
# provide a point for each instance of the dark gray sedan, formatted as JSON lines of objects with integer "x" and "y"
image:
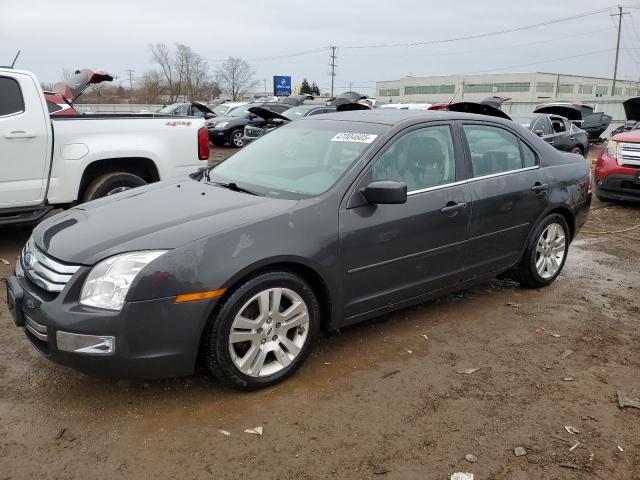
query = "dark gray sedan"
{"x": 324, "y": 222}
{"x": 556, "y": 131}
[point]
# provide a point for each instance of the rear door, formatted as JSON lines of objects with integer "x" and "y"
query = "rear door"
{"x": 395, "y": 252}
{"x": 508, "y": 194}
{"x": 24, "y": 141}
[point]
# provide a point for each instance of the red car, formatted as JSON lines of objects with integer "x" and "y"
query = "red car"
{"x": 617, "y": 170}
{"x": 60, "y": 101}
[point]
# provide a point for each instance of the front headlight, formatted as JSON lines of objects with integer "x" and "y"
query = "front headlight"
{"x": 612, "y": 149}
{"x": 109, "y": 281}
{"x": 221, "y": 124}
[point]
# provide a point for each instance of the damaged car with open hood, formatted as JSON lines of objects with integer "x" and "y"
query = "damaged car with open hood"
{"x": 60, "y": 100}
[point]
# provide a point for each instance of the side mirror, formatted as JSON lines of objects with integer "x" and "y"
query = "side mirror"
{"x": 209, "y": 116}
{"x": 385, "y": 192}
{"x": 539, "y": 133}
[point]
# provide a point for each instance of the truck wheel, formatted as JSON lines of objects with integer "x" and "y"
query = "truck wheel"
{"x": 111, "y": 183}
{"x": 545, "y": 254}
{"x": 263, "y": 332}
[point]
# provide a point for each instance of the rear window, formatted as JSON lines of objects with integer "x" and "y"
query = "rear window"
{"x": 53, "y": 107}
{"x": 11, "y": 100}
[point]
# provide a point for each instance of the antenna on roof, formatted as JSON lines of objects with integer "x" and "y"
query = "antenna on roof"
{"x": 15, "y": 59}
{"x": 453, "y": 98}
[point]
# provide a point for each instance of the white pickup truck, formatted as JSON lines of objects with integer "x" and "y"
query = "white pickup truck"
{"x": 49, "y": 162}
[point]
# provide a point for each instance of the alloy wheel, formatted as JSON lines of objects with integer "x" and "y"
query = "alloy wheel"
{"x": 550, "y": 250}
{"x": 237, "y": 140}
{"x": 269, "y": 332}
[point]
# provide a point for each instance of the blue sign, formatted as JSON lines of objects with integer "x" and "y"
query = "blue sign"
{"x": 281, "y": 86}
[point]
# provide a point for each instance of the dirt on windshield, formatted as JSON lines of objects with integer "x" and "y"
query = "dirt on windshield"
{"x": 407, "y": 396}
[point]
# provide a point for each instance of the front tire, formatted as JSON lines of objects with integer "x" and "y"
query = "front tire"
{"x": 263, "y": 332}
{"x": 110, "y": 184}
{"x": 546, "y": 253}
{"x": 235, "y": 139}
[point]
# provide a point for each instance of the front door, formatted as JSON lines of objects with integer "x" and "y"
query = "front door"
{"x": 508, "y": 194}
{"x": 24, "y": 139}
{"x": 393, "y": 253}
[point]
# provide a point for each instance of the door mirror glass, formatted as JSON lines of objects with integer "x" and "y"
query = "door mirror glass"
{"x": 385, "y": 192}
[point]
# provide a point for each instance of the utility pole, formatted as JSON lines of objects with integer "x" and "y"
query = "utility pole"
{"x": 264, "y": 81}
{"x": 333, "y": 66}
{"x": 615, "y": 68}
{"x": 130, "y": 72}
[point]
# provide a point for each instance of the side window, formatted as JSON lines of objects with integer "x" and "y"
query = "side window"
{"x": 182, "y": 110}
{"x": 53, "y": 107}
{"x": 421, "y": 159}
{"x": 493, "y": 150}
{"x": 544, "y": 125}
{"x": 11, "y": 100}
{"x": 319, "y": 111}
{"x": 528, "y": 157}
{"x": 558, "y": 125}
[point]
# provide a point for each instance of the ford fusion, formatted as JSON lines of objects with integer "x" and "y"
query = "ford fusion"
{"x": 325, "y": 222}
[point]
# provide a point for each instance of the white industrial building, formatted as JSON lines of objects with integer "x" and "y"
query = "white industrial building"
{"x": 519, "y": 86}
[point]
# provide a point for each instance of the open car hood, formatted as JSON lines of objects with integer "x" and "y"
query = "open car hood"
{"x": 346, "y": 97}
{"x": 296, "y": 100}
{"x": 72, "y": 88}
{"x": 478, "y": 108}
{"x": 349, "y": 107}
{"x": 632, "y": 108}
{"x": 568, "y": 111}
{"x": 495, "y": 101}
{"x": 268, "y": 115}
{"x": 203, "y": 107}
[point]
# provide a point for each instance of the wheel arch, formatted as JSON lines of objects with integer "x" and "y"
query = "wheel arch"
{"x": 568, "y": 215}
{"x": 142, "y": 167}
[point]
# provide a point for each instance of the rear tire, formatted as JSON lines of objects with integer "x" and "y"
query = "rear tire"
{"x": 577, "y": 151}
{"x": 545, "y": 254}
{"x": 253, "y": 342}
{"x": 110, "y": 184}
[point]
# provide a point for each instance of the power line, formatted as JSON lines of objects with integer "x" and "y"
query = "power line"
{"x": 482, "y": 35}
{"x": 277, "y": 57}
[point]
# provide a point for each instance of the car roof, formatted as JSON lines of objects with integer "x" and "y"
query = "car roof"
{"x": 391, "y": 116}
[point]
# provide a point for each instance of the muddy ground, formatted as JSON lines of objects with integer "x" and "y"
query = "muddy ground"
{"x": 378, "y": 400}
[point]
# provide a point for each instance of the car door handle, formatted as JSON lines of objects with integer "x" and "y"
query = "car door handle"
{"x": 452, "y": 208}
{"x": 572, "y": 137}
{"x": 540, "y": 187}
{"x": 19, "y": 134}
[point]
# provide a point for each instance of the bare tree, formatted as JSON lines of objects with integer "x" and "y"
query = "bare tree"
{"x": 235, "y": 78}
{"x": 185, "y": 73}
{"x": 150, "y": 87}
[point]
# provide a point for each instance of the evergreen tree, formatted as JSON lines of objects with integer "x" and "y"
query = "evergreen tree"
{"x": 315, "y": 89}
{"x": 305, "y": 88}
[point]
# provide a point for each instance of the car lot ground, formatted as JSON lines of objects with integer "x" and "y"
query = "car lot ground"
{"x": 377, "y": 400}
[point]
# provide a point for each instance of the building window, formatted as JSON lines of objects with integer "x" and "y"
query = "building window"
{"x": 565, "y": 88}
{"x": 389, "y": 92}
{"x": 586, "y": 89}
{"x": 429, "y": 89}
{"x": 546, "y": 87}
{"x": 513, "y": 87}
{"x": 478, "y": 88}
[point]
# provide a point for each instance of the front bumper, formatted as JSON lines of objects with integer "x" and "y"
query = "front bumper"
{"x": 153, "y": 339}
{"x": 619, "y": 187}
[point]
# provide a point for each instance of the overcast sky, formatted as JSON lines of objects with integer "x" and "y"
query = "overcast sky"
{"x": 114, "y": 35}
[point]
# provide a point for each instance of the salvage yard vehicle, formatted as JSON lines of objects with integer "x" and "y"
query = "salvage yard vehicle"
{"x": 617, "y": 171}
{"x": 230, "y": 127}
{"x": 48, "y": 162}
{"x": 60, "y": 101}
{"x": 556, "y": 131}
{"x": 583, "y": 116}
{"x": 188, "y": 109}
{"x": 327, "y": 221}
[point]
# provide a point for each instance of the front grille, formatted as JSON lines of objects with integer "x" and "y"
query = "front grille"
{"x": 37, "y": 330}
{"x": 630, "y": 185}
{"x": 252, "y": 132}
{"x": 44, "y": 271}
{"x": 630, "y": 154}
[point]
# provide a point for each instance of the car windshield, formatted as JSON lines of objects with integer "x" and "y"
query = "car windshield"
{"x": 299, "y": 160}
{"x": 169, "y": 108}
{"x": 296, "y": 112}
{"x": 222, "y": 110}
{"x": 241, "y": 111}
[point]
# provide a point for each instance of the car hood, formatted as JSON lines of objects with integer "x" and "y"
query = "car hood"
{"x": 632, "y": 136}
{"x": 73, "y": 87}
{"x": 159, "y": 216}
{"x": 268, "y": 115}
{"x": 478, "y": 108}
{"x": 632, "y": 108}
{"x": 567, "y": 111}
{"x": 203, "y": 107}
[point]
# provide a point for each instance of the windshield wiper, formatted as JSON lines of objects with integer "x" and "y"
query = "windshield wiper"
{"x": 236, "y": 188}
